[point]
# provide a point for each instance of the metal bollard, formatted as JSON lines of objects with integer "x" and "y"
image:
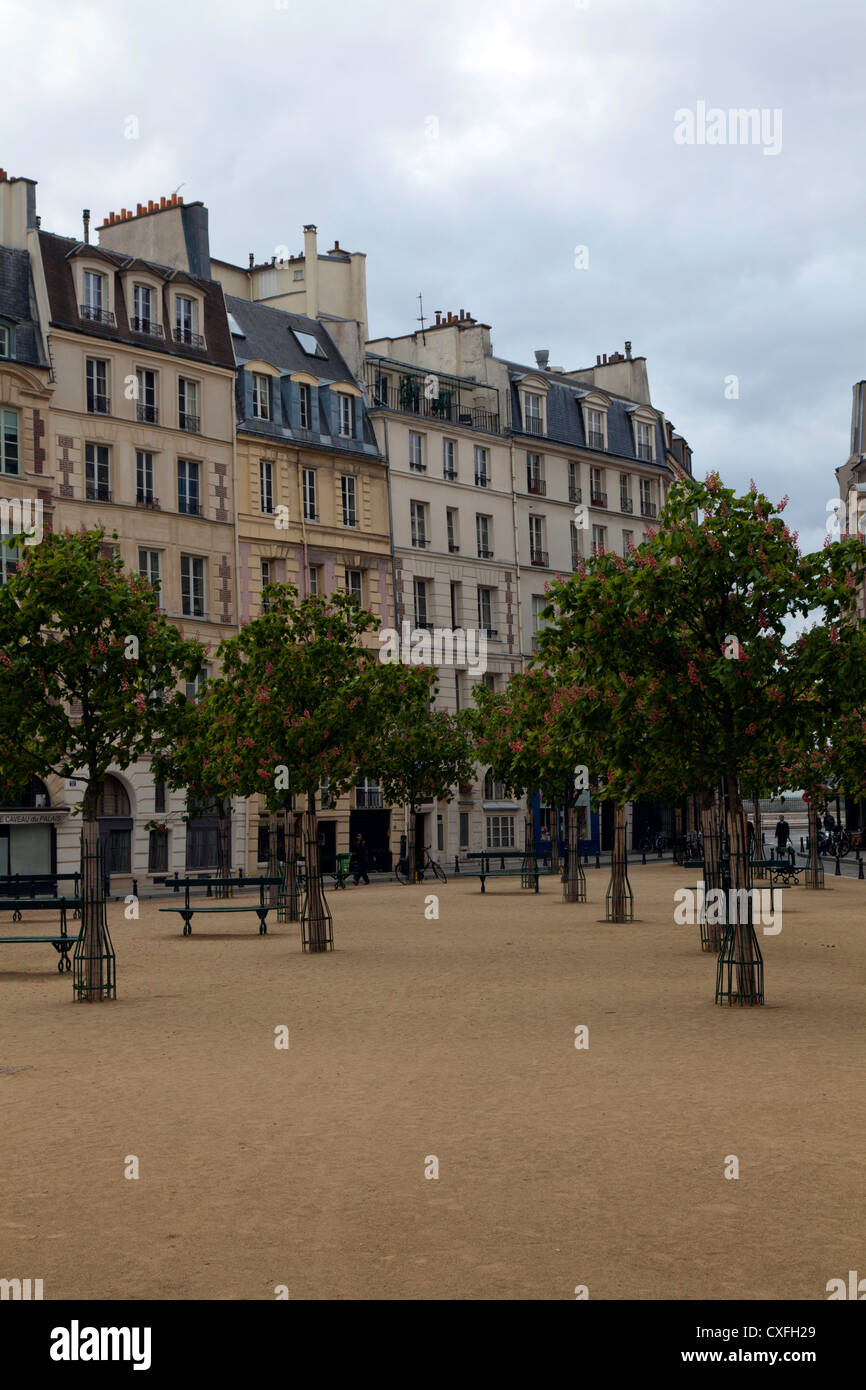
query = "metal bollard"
{"x": 802, "y": 845}
{"x": 860, "y": 867}
{"x": 838, "y": 873}
{"x": 643, "y": 860}
{"x": 597, "y": 862}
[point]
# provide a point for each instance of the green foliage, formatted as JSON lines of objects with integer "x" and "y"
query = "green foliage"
{"x": 422, "y": 752}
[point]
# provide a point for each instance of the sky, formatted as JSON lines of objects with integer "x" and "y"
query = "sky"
{"x": 557, "y": 169}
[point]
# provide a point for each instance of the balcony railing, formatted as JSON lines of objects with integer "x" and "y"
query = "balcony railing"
{"x": 147, "y": 414}
{"x": 598, "y": 499}
{"x": 96, "y": 314}
{"x": 538, "y": 486}
{"x": 188, "y": 337}
{"x": 575, "y": 494}
{"x": 482, "y": 479}
{"x": 98, "y": 403}
{"x": 423, "y": 623}
{"x": 595, "y": 439}
{"x": 420, "y": 542}
{"x": 417, "y": 467}
{"x": 368, "y": 798}
{"x": 647, "y": 508}
{"x": 540, "y": 558}
{"x": 98, "y": 492}
{"x": 450, "y": 475}
{"x": 532, "y": 425}
{"x": 453, "y": 549}
{"x": 410, "y": 398}
{"x": 575, "y": 558}
{"x": 189, "y": 506}
{"x": 626, "y": 504}
{"x": 490, "y": 631}
{"x": 190, "y": 423}
{"x": 645, "y": 451}
{"x": 484, "y": 553}
{"x": 146, "y": 499}
{"x": 148, "y": 326}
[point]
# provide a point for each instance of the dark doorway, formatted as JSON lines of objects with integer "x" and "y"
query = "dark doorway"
{"x": 327, "y": 846}
{"x": 115, "y": 828}
{"x": 607, "y": 815}
{"x": 375, "y": 826}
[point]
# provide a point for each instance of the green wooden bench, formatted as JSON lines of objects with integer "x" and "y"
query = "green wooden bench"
{"x": 508, "y": 864}
{"x": 61, "y": 941}
{"x": 188, "y": 911}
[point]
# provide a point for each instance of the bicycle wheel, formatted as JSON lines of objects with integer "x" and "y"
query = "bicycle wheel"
{"x": 438, "y": 871}
{"x": 843, "y": 843}
{"x": 401, "y": 871}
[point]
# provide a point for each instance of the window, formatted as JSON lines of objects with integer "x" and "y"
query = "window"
{"x": 451, "y": 528}
{"x": 482, "y": 476}
{"x": 194, "y": 687}
{"x": 314, "y": 585}
{"x": 595, "y": 429}
{"x": 347, "y": 415}
{"x": 349, "y": 499}
{"x": 304, "y": 412}
{"x": 192, "y": 586}
{"x": 187, "y": 405}
{"x": 97, "y": 480}
{"x": 574, "y": 491}
{"x": 310, "y": 344}
{"x": 266, "y": 486}
{"x": 297, "y": 275}
{"x": 419, "y": 594}
{"x": 188, "y": 495}
{"x": 485, "y": 610}
{"x": 455, "y": 606}
{"x": 354, "y": 586}
{"x": 328, "y": 800}
{"x": 186, "y": 321}
{"x": 625, "y": 502}
{"x": 464, "y": 829}
{"x": 368, "y": 795}
{"x": 5, "y": 341}
{"x": 144, "y": 477}
{"x": 647, "y": 500}
{"x": 10, "y": 458}
{"x": 261, "y": 397}
{"x": 539, "y": 603}
{"x": 627, "y": 543}
{"x": 309, "y": 489}
{"x": 575, "y": 545}
{"x": 493, "y": 789}
{"x": 500, "y": 832}
{"x": 440, "y": 834}
{"x": 537, "y": 553}
{"x": 159, "y": 796}
{"x": 145, "y": 396}
{"x": 599, "y": 540}
{"x": 416, "y": 452}
{"x": 489, "y": 680}
{"x": 535, "y": 474}
{"x": 483, "y": 534}
{"x": 532, "y": 412}
{"x": 94, "y": 305}
{"x": 597, "y": 494}
{"x": 157, "y": 852}
{"x": 143, "y": 320}
{"x": 418, "y": 516}
{"x": 10, "y": 555}
{"x": 97, "y": 386}
{"x": 150, "y": 567}
{"x": 449, "y": 459}
{"x": 644, "y": 441}
{"x": 265, "y": 571}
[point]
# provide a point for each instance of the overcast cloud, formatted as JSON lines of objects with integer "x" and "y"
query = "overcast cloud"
{"x": 469, "y": 148}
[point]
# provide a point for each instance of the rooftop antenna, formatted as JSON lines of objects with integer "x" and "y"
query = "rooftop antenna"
{"x": 179, "y": 187}
{"x": 421, "y": 319}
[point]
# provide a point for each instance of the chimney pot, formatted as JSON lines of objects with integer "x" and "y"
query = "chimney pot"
{"x": 3, "y": 178}
{"x": 336, "y": 244}
{"x": 180, "y": 199}
{"x": 161, "y": 202}
{"x": 628, "y": 350}
{"x": 252, "y": 259}
{"x": 85, "y": 217}
{"x": 438, "y": 318}
{"x": 604, "y": 359}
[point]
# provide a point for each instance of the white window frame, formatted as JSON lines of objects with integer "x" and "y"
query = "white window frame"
{"x": 305, "y": 406}
{"x": 308, "y": 489}
{"x": 349, "y": 498}
{"x": 189, "y": 476}
{"x": 416, "y": 452}
{"x": 347, "y": 415}
{"x": 193, "y": 575}
{"x": 97, "y": 463}
{"x": 481, "y": 457}
{"x": 150, "y": 567}
{"x": 418, "y": 524}
{"x": 261, "y": 396}
{"x": 266, "y": 487}
{"x": 10, "y": 437}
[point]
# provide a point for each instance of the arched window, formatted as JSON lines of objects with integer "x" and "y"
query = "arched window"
{"x": 32, "y": 797}
{"x": 493, "y": 790}
{"x": 114, "y": 800}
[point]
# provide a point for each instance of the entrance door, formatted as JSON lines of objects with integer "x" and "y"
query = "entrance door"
{"x": 327, "y": 846}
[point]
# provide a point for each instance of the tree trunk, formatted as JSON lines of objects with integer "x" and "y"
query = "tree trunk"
{"x": 554, "y": 840}
{"x": 711, "y": 838}
{"x": 678, "y": 833}
{"x": 292, "y": 828}
{"x": 414, "y": 852}
{"x": 93, "y": 958}
{"x": 619, "y": 900}
{"x": 814, "y": 875}
{"x": 758, "y": 853}
{"x": 740, "y": 974}
{"x": 530, "y": 863}
{"x": 316, "y": 925}
{"x": 574, "y": 885}
{"x": 273, "y": 870}
{"x": 224, "y": 867}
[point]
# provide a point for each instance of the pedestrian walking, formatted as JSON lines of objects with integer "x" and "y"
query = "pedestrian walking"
{"x": 359, "y": 860}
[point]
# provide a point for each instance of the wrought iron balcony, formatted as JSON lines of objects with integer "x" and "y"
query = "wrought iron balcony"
{"x": 190, "y": 423}
{"x": 626, "y": 504}
{"x": 188, "y": 337}
{"x": 148, "y": 326}
{"x": 98, "y": 492}
{"x": 411, "y": 398}
{"x": 482, "y": 480}
{"x": 146, "y": 499}
{"x": 540, "y": 558}
{"x": 538, "y": 486}
{"x": 453, "y": 549}
{"x": 490, "y": 632}
{"x": 595, "y": 439}
{"x": 645, "y": 451}
{"x": 647, "y": 508}
{"x": 189, "y": 506}
{"x": 575, "y": 494}
{"x": 598, "y": 499}
{"x": 147, "y": 414}
{"x": 532, "y": 426}
{"x": 420, "y": 542}
{"x": 417, "y": 467}
{"x": 96, "y": 314}
{"x": 484, "y": 553}
{"x": 450, "y": 475}
{"x": 98, "y": 403}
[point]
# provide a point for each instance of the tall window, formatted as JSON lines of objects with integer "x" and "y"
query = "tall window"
{"x": 266, "y": 486}
{"x": 532, "y": 412}
{"x": 10, "y": 556}
{"x": 464, "y": 829}
{"x": 535, "y": 474}
{"x": 150, "y": 567}
{"x": 485, "y": 609}
{"x": 143, "y": 476}
{"x": 196, "y": 685}
{"x": 265, "y": 571}
{"x": 500, "y": 832}
{"x": 309, "y": 489}
{"x": 537, "y": 552}
{"x": 355, "y": 586}
{"x": 482, "y": 475}
{"x": 304, "y": 410}
{"x": 159, "y": 796}
{"x": 347, "y": 411}
{"x": 449, "y": 459}
{"x": 575, "y": 545}
{"x": 142, "y": 309}
{"x": 644, "y": 441}
{"x": 647, "y": 500}
{"x": 455, "y": 605}
{"x": 10, "y": 451}
{"x": 314, "y": 582}
{"x": 627, "y": 543}
{"x": 188, "y": 491}
{"x": 97, "y": 478}
{"x": 97, "y": 386}
{"x": 416, "y": 452}
{"x": 625, "y": 502}
{"x": 595, "y": 429}
{"x": 451, "y": 527}
{"x": 349, "y": 499}
{"x": 419, "y": 594}
{"x": 192, "y": 586}
{"x": 5, "y": 341}
{"x": 597, "y": 494}
{"x": 599, "y": 540}
{"x": 261, "y": 397}
{"x": 94, "y": 305}
{"x": 187, "y": 405}
{"x": 186, "y": 320}
{"x": 483, "y": 535}
{"x": 539, "y": 603}
{"x": 418, "y": 517}
{"x": 146, "y": 411}
{"x": 574, "y": 492}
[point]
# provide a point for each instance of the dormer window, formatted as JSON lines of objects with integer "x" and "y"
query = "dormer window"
{"x": 304, "y": 410}
{"x": 644, "y": 437}
{"x": 595, "y": 429}
{"x": 144, "y": 315}
{"x": 6, "y": 342}
{"x": 346, "y": 415}
{"x": 532, "y": 413}
{"x": 186, "y": 323}
{"x": 261, "y": 397}
{"x": 95, "y": 303}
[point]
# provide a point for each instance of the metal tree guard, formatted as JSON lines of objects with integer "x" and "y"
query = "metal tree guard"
{"x": 317, "y": 927}
{"x": 530, "y": 864}
{"x": 93, "y": 960}
{"x": 573, "y": 878}
{"x": 740, "y": 970}
{"x": 619, "y": 899}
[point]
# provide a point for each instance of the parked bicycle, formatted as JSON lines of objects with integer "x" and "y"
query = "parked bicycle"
{"x": 655, "y": 844}
{"x": 834, "y": 842}
{"x": 403, "y": 872}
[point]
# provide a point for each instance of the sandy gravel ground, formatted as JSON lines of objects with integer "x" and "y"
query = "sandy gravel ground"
{"x": 453, "y": 1038}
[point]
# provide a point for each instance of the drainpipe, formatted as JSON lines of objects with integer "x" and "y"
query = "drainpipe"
{"x": 390, "y": 523}
{"x": 516, "y": 555}
{"x": 305, "y": 587}
{"x": 237, "y": 548}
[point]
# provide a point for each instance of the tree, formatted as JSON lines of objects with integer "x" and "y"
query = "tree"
{"x": 88, "y": 670}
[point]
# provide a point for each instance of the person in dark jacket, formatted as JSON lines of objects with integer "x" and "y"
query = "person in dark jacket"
{"x": 359, "y": 859}
{"x": 783, "y": 832}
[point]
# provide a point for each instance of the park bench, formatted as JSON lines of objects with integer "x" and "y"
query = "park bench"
{"x": 37, "y": 886}
{"x": 505, "y": 864}
{"x": 61, "y": 941}
{"x": 187, "y": 912}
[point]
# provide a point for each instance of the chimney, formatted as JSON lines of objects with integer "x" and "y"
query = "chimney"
{"x": 462, "y": 316}
{"x": 311, "y": 271}
{"x": 542, "y": 357}
{"x": 86, "y": 219}
{"x": 4, "y": 177}
{"x": 598, "y": 359}
{"x": 252, "y": 259}
{"x": 438, "y": 317}
{"x": 604, "y": 359}
{"x": 628, "y": 351}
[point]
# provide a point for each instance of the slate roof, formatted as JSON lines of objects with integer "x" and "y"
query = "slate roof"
{"x": 565, "y": 418}
{"x": 18, "y": 304}
{"x": 269, "y": 336}
{"x": 65, "y": 308}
